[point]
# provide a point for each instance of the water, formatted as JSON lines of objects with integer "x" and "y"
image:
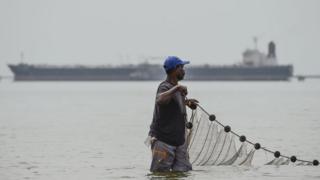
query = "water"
{"x": 95, "y": 130}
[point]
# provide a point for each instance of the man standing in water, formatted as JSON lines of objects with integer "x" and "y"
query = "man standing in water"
{"x": 167, "y": 131}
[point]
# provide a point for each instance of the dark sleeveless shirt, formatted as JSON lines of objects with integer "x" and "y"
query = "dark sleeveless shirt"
{"x": 168, "y": 123}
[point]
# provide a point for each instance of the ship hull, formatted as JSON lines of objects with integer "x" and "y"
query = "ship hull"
{"x": 241, "y": 73}
{"x": 24, "y": 72}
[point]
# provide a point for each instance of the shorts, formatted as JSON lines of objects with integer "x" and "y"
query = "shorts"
{"x": 169, "y": 158}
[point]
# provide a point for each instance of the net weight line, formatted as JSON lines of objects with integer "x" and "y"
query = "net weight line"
{"x": 214, "y": 142}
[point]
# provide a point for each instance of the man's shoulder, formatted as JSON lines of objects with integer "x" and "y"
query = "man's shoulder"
{"x": 165, "y": 84}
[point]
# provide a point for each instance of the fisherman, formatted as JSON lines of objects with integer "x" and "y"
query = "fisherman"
{"x": 168, "y": 127}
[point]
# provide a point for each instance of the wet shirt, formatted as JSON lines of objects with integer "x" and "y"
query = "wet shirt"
{"x": 168, "y": 123}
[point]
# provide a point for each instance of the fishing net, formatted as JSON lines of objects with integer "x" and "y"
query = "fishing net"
{"x": 210, "y": 143}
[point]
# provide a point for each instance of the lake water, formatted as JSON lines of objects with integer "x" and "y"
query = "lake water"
{"x": 96, "y": 130}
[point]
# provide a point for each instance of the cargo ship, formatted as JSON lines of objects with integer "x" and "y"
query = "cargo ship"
{"x": 255, "y": 66}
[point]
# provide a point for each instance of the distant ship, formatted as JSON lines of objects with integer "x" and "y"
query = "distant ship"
{"x": 255, "y": 66}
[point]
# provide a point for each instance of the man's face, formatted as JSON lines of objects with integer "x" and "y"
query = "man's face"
{"x": 180, "y": 72}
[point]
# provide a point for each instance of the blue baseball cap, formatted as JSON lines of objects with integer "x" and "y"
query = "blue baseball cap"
{"x": 172, "y": 62}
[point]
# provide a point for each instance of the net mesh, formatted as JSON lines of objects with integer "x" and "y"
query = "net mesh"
{"x": 211, "y": 143}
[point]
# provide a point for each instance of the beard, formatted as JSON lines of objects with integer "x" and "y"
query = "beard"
{"x": 180, "y": 77}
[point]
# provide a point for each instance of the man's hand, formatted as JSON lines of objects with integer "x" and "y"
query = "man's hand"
{"x": 192, "y": 103}
{"x": 182, "y": 89}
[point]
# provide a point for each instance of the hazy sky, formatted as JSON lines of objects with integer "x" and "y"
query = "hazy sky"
{"x": 127, "y": 31}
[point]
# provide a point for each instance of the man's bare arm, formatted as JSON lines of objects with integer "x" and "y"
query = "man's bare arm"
{"x": 164, "y": 98}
